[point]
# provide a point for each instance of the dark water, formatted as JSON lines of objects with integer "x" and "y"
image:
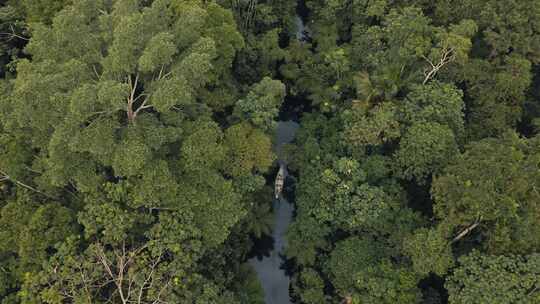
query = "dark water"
{"x": 270, "y": 269}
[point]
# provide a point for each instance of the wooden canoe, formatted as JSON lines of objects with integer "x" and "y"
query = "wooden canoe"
{"x": 280, "y": 180}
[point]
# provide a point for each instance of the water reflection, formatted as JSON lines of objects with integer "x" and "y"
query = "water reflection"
{"x": 274, "y": 280}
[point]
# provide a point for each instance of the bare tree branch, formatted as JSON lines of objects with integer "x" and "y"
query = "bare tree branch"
{"x": 4, "y": 176}
{"x": 85, "y": 286}
{"x": 161, "y": 71}
{"x": 116, "y": 278}
{"x": 149, "y": 277}
{"x": 13, "y": 35}
{"x": 131, "y": 98}
{"x": 122, "y": 280}
{"x": 95, "y": 72}
{"x": 532, "y": 291}
{"x": 131, "y": 112}
{"x": 466, "y": 231}
{"x": 448, "y": 56}
{"x": 158, "y": 298}
{"x": 143, "y": 106}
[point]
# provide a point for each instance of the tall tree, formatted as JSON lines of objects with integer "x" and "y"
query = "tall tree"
{"x": 489, "y": 191}
{"x": 135, "y": 180}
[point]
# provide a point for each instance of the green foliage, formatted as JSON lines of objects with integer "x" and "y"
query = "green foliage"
{"x": 136, "y": 147}
{"x": 345, "y": 200}
{"x": 13, "y": 36}
{"x": 306, "y": 236}
{"x": 250, "y": 288}
{"x": 203, "y": 149}
{"x": 375, "y": 126}
{"x": 361, "y": 268}
{"x": 430, "y": 252}
{"x": 350, "y": 257}
{"x": 260, "y": 57}
{"x": 311, "y": 287}
{"x": 250, "y": 150}
{"x": 108, "y": 115}
{"x": 261, "y": 106}
{"x": 498, "y": 91}
{"x": 407, "y": 48}
{"x": 424, "y": 150}
{"x": 491, "y": 183}
{"x": 387, "y": 283}
{"x": 42, "y": 10}
{"x": 435, "y": 102}
{"x": 215, "y": 204}
{"x": 158, "y": 52}
{"x": 30, "y": 231}
{"x": 495, "y": 279}
{"x": 499, "y": 75}
{"x": 260, "y": 220}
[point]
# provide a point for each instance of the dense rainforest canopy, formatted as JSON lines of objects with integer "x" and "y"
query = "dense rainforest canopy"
{"x": 136, "y": 149}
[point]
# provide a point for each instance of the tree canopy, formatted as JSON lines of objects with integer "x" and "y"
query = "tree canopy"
{"x": 138, "y": 150}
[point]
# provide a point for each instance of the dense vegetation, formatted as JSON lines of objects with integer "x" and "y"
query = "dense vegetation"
{"x": 136, "y": 149}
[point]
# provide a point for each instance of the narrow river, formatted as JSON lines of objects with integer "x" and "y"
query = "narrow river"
{"x": 273, "y": 278}
{"x": 270, "y": 270}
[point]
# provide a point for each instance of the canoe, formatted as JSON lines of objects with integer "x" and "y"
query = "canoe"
{"x": 280, "y": 179}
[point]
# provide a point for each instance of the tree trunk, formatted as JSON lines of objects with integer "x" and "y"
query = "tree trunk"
{"x": 465, "y": 232}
